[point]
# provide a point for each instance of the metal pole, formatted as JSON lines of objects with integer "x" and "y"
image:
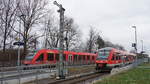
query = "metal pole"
{"x": 19, "y": 45}
{"x": 18, "y": 64}
{"x": 135, "y": 41}
{"x": 142, "y": 45}
{"x": 61, "y": 41}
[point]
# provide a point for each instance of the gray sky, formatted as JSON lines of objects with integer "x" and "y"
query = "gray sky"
{"x": 113, "y": 18}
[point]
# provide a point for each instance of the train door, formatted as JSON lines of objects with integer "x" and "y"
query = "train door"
{"x": 113, "y": 59}
{"x": 124, "y": 60}
{"x": 84, "y": 59}
{"x": 70, "y": 61}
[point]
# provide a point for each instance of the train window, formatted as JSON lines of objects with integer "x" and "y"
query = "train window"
{"x": 126, "y": 58}
{"x": 93, "y": 58}
{"x": 80, "y": 57}
{"x": 41, "y": 57}
{"x": 88, "y": 57}
{"x": 64, "y": 57}
{"x": 117, "y": 57}
{"x": 57, "y": 57}
{"x": 50, "y": 56}
{"x": 75, "y": 57}
{"x": 113, "y": 57}
{"x": 70, "y": 57}
{"x": 83, "y": 57}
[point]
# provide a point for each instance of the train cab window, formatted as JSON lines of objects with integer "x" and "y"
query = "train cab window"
{"x": 103, "y": 54}
{"x": 50, "y": 56}
{"x": 57, "y": 57}
{"x": 30, "y": 55}
{"x": 41, "y": 57}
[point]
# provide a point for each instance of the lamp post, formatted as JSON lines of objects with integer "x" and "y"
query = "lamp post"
{"x": 18, "y": 62}
{"x": 61, "y": 41}
{"x": 135, "y": 41}
{"x": 135, "y": 38}
{"x": 142, "y": 45}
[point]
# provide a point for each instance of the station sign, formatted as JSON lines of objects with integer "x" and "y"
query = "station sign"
{"x": 18, "y": 43}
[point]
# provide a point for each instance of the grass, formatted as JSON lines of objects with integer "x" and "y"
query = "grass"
{"x": 133, "y": 76}
{"x": 145, "y": 64}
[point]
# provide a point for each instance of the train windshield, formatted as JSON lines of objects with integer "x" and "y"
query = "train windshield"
{"x": 30, "y": 55}
{"x": 103, "y": 54}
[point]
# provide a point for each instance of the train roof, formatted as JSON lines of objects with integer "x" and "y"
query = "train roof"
{"x": 117, "y": 51}
{"x": 71, "y": 52}
{"x": 106, "y": 48}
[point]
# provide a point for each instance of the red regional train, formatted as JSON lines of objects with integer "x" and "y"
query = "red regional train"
{"x": 50, "y": 56}
{"x": 109, "y": 58}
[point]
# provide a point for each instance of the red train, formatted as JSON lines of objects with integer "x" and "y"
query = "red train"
{"x": 45, "y": 56}
{"x": 109, "y": 58}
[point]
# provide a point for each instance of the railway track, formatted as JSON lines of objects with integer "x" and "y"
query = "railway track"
{"x": 79, "y": 79}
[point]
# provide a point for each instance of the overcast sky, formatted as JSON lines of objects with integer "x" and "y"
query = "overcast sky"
{"x": 113, "y": 18}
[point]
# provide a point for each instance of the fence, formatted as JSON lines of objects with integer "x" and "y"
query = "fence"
{"x": 21, "y": 74}
{"x": 18, "y": 75}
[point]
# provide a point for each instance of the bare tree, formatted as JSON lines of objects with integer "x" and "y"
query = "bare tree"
{"x": 72, "y": 34}
{"x": 51, "y": 32}
{"x": 31, "y": 12}
{"x": 7, "y": 19}
{"x": 91, "y": 40}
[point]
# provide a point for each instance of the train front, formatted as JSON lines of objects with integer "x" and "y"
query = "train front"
{"x": 102, "y": 59}
{"x": 29, "y": 57}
